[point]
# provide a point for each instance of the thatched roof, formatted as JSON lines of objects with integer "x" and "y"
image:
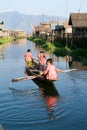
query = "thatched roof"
{"x": 78, "y": 19}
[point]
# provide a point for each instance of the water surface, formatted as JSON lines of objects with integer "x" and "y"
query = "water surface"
{"x": 25, "y": 106}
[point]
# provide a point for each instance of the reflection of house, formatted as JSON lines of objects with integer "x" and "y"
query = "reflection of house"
{"x": 79, "y": 24}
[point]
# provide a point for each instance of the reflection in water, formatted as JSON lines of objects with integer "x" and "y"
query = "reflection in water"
{"x": 1, "y": 53}
{"x": 48, "y": 95}
{"x": 20, "y": 41}
{"x": 1, "y": 56}
{"x": 24, "y": 92}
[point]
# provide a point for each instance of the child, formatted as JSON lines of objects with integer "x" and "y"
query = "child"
{"x": 42, "y": 60}
{"x": 29, "y": 58}
{"x": 51, "y": 71}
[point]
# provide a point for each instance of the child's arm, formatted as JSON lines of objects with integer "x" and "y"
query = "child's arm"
{"x": 58, "y": 70}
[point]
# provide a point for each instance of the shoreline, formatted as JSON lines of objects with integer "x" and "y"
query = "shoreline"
{"x": 79, "y": 65}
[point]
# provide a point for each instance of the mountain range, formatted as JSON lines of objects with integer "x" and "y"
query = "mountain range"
{"x": 18, "y": 21}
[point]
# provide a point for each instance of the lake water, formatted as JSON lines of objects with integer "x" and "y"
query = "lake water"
{"x": 23, "y": 105}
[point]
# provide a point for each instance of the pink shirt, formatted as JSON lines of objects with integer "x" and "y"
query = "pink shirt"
{"x": 42, "y": 59}
{"x": 28, "y": 56}
{"x": 51, "y": 72}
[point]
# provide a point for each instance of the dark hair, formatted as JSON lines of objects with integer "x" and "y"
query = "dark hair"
{"x": 41, "y": 51}
{"x": 50, "y": 60}
{"x": 28, "y": 50}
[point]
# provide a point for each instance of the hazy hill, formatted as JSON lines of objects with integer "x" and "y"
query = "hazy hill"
{"x": 18, "y": 21}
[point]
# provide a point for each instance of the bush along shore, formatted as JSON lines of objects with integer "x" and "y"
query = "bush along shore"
{"x": 5, "y": 40}
{"x": 60, "y": 49}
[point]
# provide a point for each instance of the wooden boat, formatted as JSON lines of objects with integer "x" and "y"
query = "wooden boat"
{"x": 34, "y": 71}
{"x": 46, "y": 86}
{"x": 39, "y": 80}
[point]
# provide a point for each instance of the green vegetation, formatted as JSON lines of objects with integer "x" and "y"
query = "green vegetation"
{"x": 80, "y": 54}
{"x": 55, "y": 47}
{"x": 49, "y": 47}
{"x": 61, "y": 52}
{"x": 5, "y": 40}
{"x": 39, "y": 41}
{"x": 60, "y": 49}
{"x": 30, "y": 38}
{"x": 19, "y": 37}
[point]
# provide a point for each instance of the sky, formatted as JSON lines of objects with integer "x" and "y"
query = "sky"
{"x": 45, "y": 7}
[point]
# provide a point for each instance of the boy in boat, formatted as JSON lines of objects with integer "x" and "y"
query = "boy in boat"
{"x": 51, "y": 71}
{"x": 42, "y": 60}
{"x": 29, "y": 58}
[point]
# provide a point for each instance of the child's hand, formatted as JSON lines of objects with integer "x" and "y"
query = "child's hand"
{"x": 41, "y": 72}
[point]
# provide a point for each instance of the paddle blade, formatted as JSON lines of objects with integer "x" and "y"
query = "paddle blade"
{"x": 69, "y": 70}
{"x": 18, "y": 79}
{"x": 22, "y": 78}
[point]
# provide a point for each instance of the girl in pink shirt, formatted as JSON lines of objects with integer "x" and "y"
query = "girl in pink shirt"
{"x": 42, "y": 60}
{"x": 51, "y": 71}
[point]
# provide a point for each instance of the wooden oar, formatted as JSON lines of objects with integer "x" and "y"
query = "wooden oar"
{"x": 69, "y": 70}
{"x": 25, "y": 78}
{"x": 35, "y": 76}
